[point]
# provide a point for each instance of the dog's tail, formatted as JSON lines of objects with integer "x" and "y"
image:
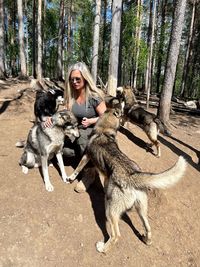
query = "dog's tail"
{"x": 164, "y": 179}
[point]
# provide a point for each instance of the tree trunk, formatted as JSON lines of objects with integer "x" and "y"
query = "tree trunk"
{"x": 149, "y": 67}
{"x": 96, "y": 39}
{"x": 23, "y": 68}
{"x": 34, "y": 40}
{"x": 69, "y": 30}
{"x": 11, "y": 38}
{"x": 27, "y": 40}
{"x": 39, "y": 27}
{"x": 44, "y": 47}
{"x": 104, "y": 38}
{"x": 2, "y": 55}
{"x": 148, "y": 45}
{"x": 137, "y": 38}
{"x": 114, "y": 46}
{"x": 60, "y": 42}
{"x": 186, "y": 63}
{"x": 161, "y": 44}
{"x": 174, "y": 46}
{"x": 120, "y": 59}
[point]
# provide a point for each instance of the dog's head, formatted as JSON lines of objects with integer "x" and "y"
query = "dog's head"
{"x": 115, "y": 102}
{"x": 109, "y": 122}
{"x": 128, "y": 96}
{"x": 47, "y": 102}
{"x": 67, "y": 121}
{"x": 56, "y": 94}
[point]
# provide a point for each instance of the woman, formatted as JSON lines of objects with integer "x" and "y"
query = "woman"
{"x": 85, "y": 100}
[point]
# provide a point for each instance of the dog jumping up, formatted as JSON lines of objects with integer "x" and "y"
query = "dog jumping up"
{"x": 148, "y": 121}
{"x": 42, "y": 143}
{"x": 124, "y": 182}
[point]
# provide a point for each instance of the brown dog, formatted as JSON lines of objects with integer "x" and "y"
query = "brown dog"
{"x": 148, "y": 121}
{"x": 125, "y": 184}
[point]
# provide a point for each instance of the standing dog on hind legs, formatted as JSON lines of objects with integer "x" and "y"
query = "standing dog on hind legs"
{"x": 43, "y": 143}
{"x": 125, "y": 184}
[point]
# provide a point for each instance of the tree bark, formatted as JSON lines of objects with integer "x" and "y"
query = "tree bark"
{"x": 104, "y": 38}
{"x": 2, "y": 55}
{"x": 137, "y": 39}
{"x": 149, "y": 66}
{"x": 174, "y": 46}
{"x": 148, "y": 45}
{"x": 186, "y": 63}
{"x": 69, "y": 31}
{"x": 27, "y": 39}
{"x": 60, "y": 42}
{"x": 96, "y": 39}
{"x": 34, "y": 73}
{"x": 161, "y": 44}
{"x": 114, "y": 46}
{"x": 39, "y": 27}
{"x": 23, "y": 68}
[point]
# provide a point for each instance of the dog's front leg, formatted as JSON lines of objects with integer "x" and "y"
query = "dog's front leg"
{"x": 48, "y": 185}
{"x": 79, "y": 168}
{"x": 62, "y": 167}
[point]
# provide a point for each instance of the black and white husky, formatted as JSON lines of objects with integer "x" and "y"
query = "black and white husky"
{"x": 42, "y": 143}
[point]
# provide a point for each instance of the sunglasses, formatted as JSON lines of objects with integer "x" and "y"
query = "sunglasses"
{"x": 75, "y": 79}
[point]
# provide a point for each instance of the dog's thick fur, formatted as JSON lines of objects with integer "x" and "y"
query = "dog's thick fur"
{"x": 43, "y": 143}
{"x": 125, "y": 184}
{"x": 148, "y": 121}
{"x": 46, "y": 101}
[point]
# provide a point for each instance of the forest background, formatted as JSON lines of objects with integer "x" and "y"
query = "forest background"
{"x": 155, "y": 41}
{"x": 153, "y": 46}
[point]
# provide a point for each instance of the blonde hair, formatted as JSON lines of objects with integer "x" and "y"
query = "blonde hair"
{"x": 90, "y": 86}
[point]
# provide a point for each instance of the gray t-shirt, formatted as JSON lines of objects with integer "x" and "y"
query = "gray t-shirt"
{"x": 88, "y": 111}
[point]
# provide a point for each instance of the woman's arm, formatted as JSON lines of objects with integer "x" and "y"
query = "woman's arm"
{"x": 100, "y": 109}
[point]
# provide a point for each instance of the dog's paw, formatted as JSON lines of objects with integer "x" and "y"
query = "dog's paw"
{"x": 37, "y": 165}
{"x": 100, "y": 246}
{"x": 65, "y": 179}
{"x": 146, "y": 240}
{"x": 72, "y": 177}
{"x": 24, "y": 169}
{"x": 49, "y": 187}
{"x": 20, "y": 144}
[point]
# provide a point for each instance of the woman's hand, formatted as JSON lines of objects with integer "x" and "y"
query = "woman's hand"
{"x": 87, "y": 122}
{"x": 48, "y": 123}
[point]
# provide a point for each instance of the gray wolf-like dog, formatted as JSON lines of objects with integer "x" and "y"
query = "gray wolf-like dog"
{"x": 148, "y": 121}
{"x": 42, "y": 143}
{"x": 125, "y": 184}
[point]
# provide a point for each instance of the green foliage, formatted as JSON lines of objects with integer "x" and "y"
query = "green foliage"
{"x": 82, "y": 40}
{"x": 82, "y": 37}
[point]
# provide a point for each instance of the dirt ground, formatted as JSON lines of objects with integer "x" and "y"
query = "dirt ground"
{"x": 38, "y": 228}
